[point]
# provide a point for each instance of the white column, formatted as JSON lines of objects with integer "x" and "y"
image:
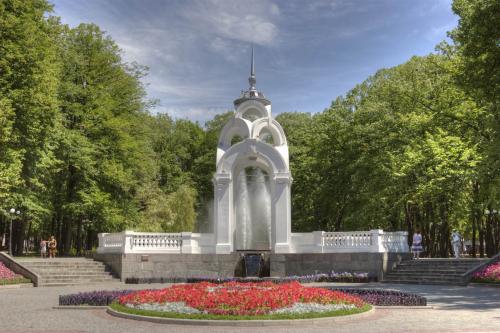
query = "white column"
{"x": 187, "y": 242}
{"x": 376, "y": 240}
{"x": 127, "y": 246}
{"x": 223, "y": 213}
{"x": 318, "y": 241}
{"x": 281, "y": 213}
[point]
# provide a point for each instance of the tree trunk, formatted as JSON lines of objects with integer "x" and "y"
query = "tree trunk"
{"x": 489, "y": 234}
{"x": 409, "y": 224}
{"x": 476, "y": 215}
{"x": 481, "y": 238}
{"x": 79, "y": 237}
{"x": 444, "y": 239}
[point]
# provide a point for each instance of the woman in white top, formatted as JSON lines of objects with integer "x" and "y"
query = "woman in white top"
{"x": 416, "y": 246}
{"x": 43, "y": 248}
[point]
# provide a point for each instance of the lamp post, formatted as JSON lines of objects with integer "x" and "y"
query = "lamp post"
{"x": 13, "y": 213}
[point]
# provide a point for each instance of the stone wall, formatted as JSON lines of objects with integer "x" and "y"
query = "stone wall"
{"x": 113, "y": 261}
{"x": 157, "y": 266}
{"x": 376, "y": 264}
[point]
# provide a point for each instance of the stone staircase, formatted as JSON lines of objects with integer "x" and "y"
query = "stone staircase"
{"x": 432, "y": 271}
{"x": 68, "y": 271}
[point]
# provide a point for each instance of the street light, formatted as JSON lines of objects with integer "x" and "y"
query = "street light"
{"x": 13, "y": 213}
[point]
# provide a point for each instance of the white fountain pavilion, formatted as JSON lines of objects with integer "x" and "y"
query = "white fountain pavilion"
{"x": 252, "y": 181}
{"x": 252, "y": 213}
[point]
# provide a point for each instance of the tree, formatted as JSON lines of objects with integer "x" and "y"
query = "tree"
{"x": 477, "y": 71}
{"x": 28, "y": 94}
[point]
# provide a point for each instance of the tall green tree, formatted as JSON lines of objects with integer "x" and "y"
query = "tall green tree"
{"x": 29, "y": 69}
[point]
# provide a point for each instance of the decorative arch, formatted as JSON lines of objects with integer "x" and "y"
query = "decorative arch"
{"x": 254, "y": 152}
{"x": 252, "y": 106}
{"x": 273, "y": 127}
{"x": 236, "y": 126}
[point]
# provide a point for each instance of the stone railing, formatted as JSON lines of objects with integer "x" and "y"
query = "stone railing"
{"x": 149, "y": 242}
{"x": 312, "y": 242}
{"x": 355, "y": 241}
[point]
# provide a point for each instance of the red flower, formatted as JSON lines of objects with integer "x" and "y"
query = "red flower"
{"x": 236, "y": 298}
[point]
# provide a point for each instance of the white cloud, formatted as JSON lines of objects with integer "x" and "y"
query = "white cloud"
{"x": 239, "y": 20}
{"x": 201, "y": 114}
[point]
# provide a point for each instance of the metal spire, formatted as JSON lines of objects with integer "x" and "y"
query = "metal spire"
{"x": 252, "y": 79}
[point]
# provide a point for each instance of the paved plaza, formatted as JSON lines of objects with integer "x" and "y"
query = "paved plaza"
{"x": 451, "y": 309}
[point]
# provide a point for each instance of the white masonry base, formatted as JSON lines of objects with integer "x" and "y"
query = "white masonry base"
{"x": 373, "y": 241}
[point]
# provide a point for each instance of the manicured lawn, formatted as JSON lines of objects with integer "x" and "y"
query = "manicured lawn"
{"x": 310, "y": 315}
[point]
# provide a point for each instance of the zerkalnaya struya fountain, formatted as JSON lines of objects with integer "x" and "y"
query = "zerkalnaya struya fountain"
{"x": 252, "y": 218}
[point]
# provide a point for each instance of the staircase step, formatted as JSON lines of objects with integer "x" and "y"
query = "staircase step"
{"x": 63, "y": 279}
{"x": 423, "y": 276}
{"x": 431, "y": 271}
{"x": 69, "y": 271}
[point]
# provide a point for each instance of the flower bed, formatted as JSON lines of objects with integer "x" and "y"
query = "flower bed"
{"x": 9, "y": 277}
{"x": 233, "y": 300}
{"x": 94, "y": 298}
{"x": 377, "y": 297}
{"x": 382, "y": 297}
{"x": 490, "y": 274}
{"x": 323, "y": 277}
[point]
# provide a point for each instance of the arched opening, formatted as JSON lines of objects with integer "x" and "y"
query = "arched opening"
{"x": 266, "y": 136}
{"x": 252, "y": 114}
{"x": 252, "y": 203}
{"x": 236, "y": 139}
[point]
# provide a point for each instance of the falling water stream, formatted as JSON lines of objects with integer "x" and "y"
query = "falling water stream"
{"x": 253, "y": 210}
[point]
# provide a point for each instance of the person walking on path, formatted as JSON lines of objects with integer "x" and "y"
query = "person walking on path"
{"x": 52, "y": 247}
{"x": 416, "y": 246}
{"x": 456, "y": 239}
{"x": 43, "y": 248}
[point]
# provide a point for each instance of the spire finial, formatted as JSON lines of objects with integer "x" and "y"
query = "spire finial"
{"x": 252, "y": 79}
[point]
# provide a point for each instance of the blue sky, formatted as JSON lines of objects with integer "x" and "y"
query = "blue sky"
{"x": 307, "y": 52}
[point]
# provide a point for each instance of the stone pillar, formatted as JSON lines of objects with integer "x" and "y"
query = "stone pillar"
{"x": 376, "y": 240}
{"x": 187, "y": 242}
{"x": 281, "y": 213}
{"x": 318, "y": 241}
{"x": 223, "y": 213}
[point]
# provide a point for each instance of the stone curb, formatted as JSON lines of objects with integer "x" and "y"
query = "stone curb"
{"x": 479, "y": 284}
{"x": 404, "y": 307}
{"x": 237, "y": 323}
{"x": 16, "y": 286}
{"x": 79, "y": 307}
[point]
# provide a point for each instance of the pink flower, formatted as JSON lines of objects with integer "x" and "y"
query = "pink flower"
{"x": 7, "y": 274}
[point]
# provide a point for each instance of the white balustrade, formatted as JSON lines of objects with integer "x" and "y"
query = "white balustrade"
{"x": 313, "y": 242}
{"x": 111, "y": 241}
{"x": 347, "y": 240}
{"x": 150, "y": 241}
{"x": 395, "y": 241}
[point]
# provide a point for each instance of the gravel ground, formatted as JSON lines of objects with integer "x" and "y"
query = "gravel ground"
{"x": 455, "y": 309}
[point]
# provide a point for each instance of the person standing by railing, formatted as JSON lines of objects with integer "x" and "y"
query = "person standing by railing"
{"x": 456, "y": 241}
{"x": 43, "y": 248}
{"x": 416, "y": 246}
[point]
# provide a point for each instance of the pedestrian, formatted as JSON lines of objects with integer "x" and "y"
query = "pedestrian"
{"x": 456, "y": 239}
{"x": 43, "y": 248}
{"x": 52, "y": 247}
{"x": 416, "y": 246}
